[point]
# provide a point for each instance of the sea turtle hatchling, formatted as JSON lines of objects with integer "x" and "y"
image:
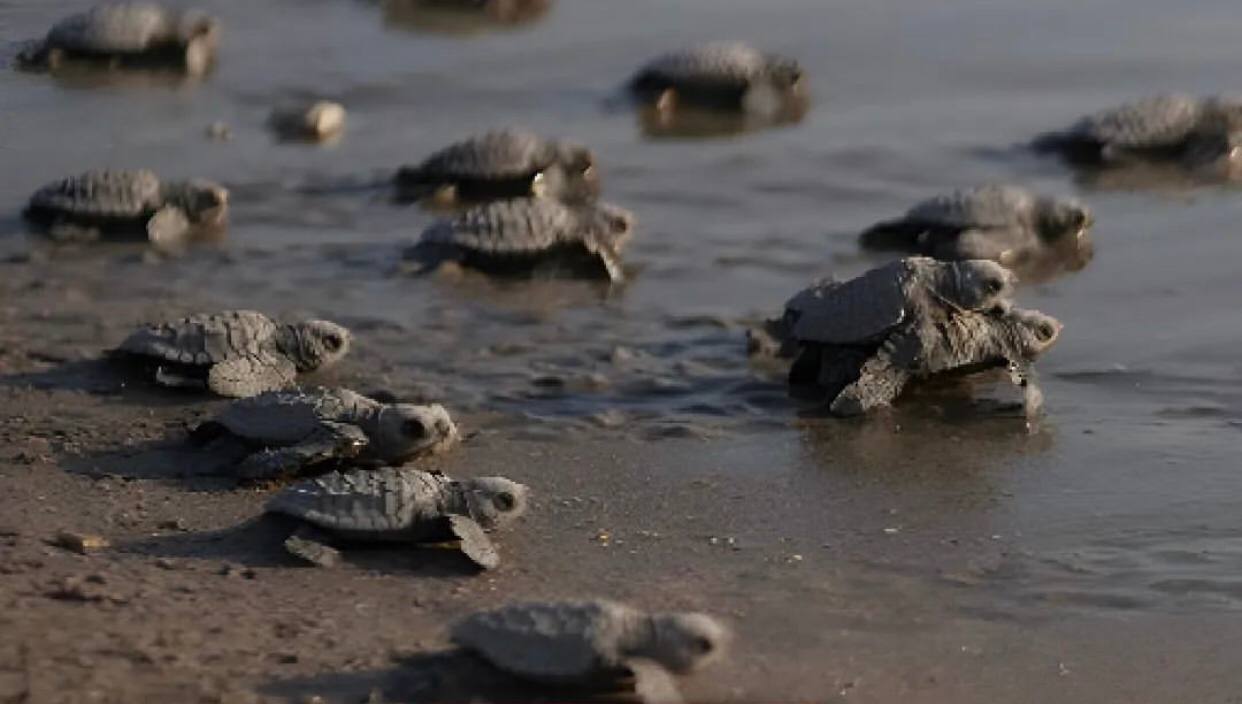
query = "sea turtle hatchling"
{"x": 862, "y": 340}
{"x": 527, "y": 235}
{"x": 720, "y": 76}
{"x": 1007, "y": 224}
{"x": 139, "y": 34}
{"x": 398, "y": 505}
{"x": 1180, "y": 129}
{"x": 596, "y": 644}
{"x": 96, "y": 204}
{"x": 317, "y": 121}
{"x": 295, "y": 431}
{"x": 502, "y": 164}
{"x": 236, "y": 353}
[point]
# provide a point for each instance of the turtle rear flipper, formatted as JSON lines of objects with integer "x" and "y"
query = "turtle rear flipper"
{"x": 179, "y": 377}
{"x": 67, "y": 231}
{"x": 330, "y": 442}
{"x": 652, "y": 683}
{"x": 243, "y": 377}
{"x": 312, "y": 546}
{"x": 474, "y": 541}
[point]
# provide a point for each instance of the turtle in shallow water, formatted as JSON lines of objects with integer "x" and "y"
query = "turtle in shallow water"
{"x": 529, "y": 235}
{"x": 720, "y": 76}
{"x": 296, "y": 431}
{"x": 502, "y": 164}
{"x": 1197, "y": 133}
{"x": 1007, "y": 224}
{"x": 860, "y": 342}
{"x": 236, "y": 353}
{"x": 462, "y": 16}
{"x": 125, "y": 204}
{"x": 318, "y": 121}
{"x": 398, "y": 505}
{"x": 129, "y": 34}
{"x": 596, "y": 644}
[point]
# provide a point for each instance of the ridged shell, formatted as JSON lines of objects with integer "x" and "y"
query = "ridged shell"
{"x": 502, "y": 154}
{"x": 120, "y": 27}
{"x": 285, "y": 417}
{"x": 734, "y": 63}
{"x": 103, "y": 194}
{"x": 860, "y": 310}
{"x": 205, "y": 338}
{"x": 376, "y": 502}
{"x": 989, "y": 206}
{"x": 519, "y": 226}
{"x": 1158, "y": 121}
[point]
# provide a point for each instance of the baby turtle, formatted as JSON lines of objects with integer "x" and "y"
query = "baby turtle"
{"x": 527, "y": 235}
{"x": 503, "y": 164}
{"x": 861, "y": 341}
{"x": 720, "y": 76}
{"x": 1007, "y": 224}
{"x": 594, "y": 644}
{"x": 129, "y": 34}
{"x": 1188, "y": 131}
{"x": 320, "y": 121}
{"x": 236, "y": 353}
{"x": 126, "y": 204}
{"x": 398, "y": 505}
{"x": 296, "y": 430}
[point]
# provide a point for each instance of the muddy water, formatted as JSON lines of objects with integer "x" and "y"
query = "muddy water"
{"x": 943, "y": 551}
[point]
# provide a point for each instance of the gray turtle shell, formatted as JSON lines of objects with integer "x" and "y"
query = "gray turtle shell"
{"x": 104, "y": 195}
{"x": 1150, "y": 123}
{"x": 858, "y": 311}
{"x": 523, "y": 226}
{"x": 124, "y": 27}
{"x": 205, "y": 338}
{"x": 504, "y": 154}
{"x": 390, "y": 503}
{"x": 557, "y": 642}
{"x": 989, "y": 206}
{"x": 731, "y": 64}
{"x": 285, "y": 417}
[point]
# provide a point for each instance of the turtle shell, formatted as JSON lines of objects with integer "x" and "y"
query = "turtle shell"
{"x": 116, "y": 28}
{"x": 719, "y": 64}
{"x": 205, "y": 338}
{"x": 1151, "y": 123}
{"x": 505, "y": 154}
{"x": 390, "y": 502}
{"x": 555, "y": 642}
{"x": 520, "y": 226}
{"x": 285, "y": 417}
{"x": 859, "y": 311}
{"x": 989, "y": 206}
{"x": 103, "y": 195}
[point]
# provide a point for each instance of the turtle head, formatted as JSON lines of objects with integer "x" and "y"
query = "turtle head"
{"x": 612, "y": 224}
{"x": 404, "y": 430}
{"x": 683, "y": 642}
{"x": 785, "y": 74}
{"x": 1034, "y": 332}
{"x": 494, "y": 501}
{"x": 315, "y": 344}
{"x": 1062, "y": 220}
{"x": 581, "y": 172}
{"x": 193, "y": 24}
{"x": 977, "y": 284}
{"x": 203, "y": 202}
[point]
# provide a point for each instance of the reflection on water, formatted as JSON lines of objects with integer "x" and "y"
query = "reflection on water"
{"x": 461, "y": 17}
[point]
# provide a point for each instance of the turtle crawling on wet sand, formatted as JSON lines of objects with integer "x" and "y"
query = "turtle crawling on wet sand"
{"x": 529, "y": 235}
{"x": 236, "y": 353}
{"x": 599, "y": 644}
{"x": 296, "y": 431}
{"x": 1007, "y": 224}
{"x": 398, "y": 505}
{"x": 126, "y": 204}
{"x": 502, "y": 164}
{"x": 861, "y": 341}
{"x": 1179, "y": 129}
{"x": 129, "y": 34}
{"x": 720, "y": 76}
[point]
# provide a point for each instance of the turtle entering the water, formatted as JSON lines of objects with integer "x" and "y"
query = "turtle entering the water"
{"x": 596, "y": 644}
{"x": 129, "y": 34}
{"x": 720, "y": 76}
{"x": 1007, "y": 224}
{"x": 1187, "y": 131}
{"x": 861, "y": 341}
{"x": 126, "y": 204}
{"x": 319, "y": 121}
{"x": 398, "y": 505}
{"x": 530, "y": 235}
{"x": 236, "y": 353}
{"x": 502, "y": 164}
{"x": 295, "y": 431}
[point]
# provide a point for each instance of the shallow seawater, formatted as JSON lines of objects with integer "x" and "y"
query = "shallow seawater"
{"x": 1124, "y": 497}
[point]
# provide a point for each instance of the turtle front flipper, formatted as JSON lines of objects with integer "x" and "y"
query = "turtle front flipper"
{"x": 1022, "y": 374}
{"x": 652, "y": 683}
{"x": 243, "y": 377}
{"x": 608, "y": 257}
{"x": 329, "y": 442}
{"x": 168, "y": 226}
{"x": 68, "y": 231}
{"x": 881, "y": 378}
{"x": 311, "y": 545}
{"x": 474, "y": 541}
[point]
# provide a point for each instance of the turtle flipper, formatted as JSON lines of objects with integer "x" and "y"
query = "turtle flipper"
{"x": 474, "y": 542}
{"x": 242, "y": 377}
{"x": 1022, "y": 374}
{"x": 331, "y": 441}
{"x": 312, "y": 546}
{"x": 169, "y": 225}
{"x": 652, "y": 683}
{"x": 172, "y": 377}
{"x": 66, "y": 231}
{"x": 881, "y": 378}
{"x": 609, "y": 257}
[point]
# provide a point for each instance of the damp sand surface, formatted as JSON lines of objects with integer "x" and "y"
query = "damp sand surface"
{"x": 943, "y": 552}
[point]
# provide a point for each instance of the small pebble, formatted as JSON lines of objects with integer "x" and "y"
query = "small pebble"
{"x": 81, "y": 543}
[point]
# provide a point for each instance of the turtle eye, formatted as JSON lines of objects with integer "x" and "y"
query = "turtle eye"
{"x": 993, "y": 286}
{"x": 504, "y": 501}
{"x": 702, "y": 645}
{"x": 413, "y": 429}
{"x": 333, "y": 342}
{"x": 1045, "y": 331}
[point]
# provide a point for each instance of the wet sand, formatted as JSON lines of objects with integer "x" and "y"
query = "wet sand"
{"x": 937, "y": 553}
